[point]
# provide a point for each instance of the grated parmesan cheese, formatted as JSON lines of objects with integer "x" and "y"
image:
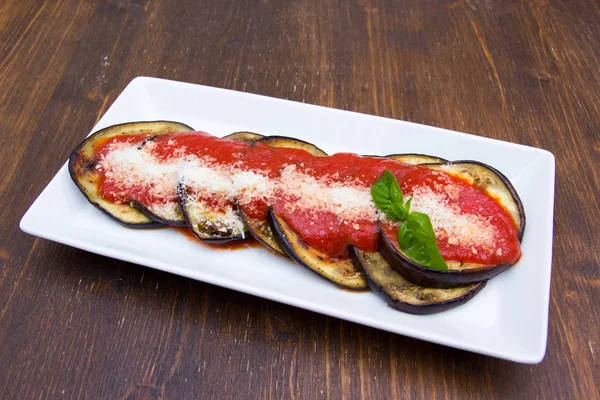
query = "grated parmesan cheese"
{"x": 449, "y": 222}
{"x": 346, "y": 200}
{"x": 169, "y": 210}
{"x": 350, "y": 201}
{"x": 132, "y": 168}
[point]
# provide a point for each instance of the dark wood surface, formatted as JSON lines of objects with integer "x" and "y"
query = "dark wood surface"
{"x": 77, "y": 325}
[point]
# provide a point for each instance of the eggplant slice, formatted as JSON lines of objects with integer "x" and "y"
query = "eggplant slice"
{"x": 82, "y": 165}
{"x": 244, "y": 136}
{"x": 492, "y": 181}
{"x": 292, "y": 143}
{"x": 458, "y": 274}
{"x": 342, "y": 272}
{"x": 175, "y": 217}
{"x": 207, "y": 225}
{"x": 406, "y": 296}
{"x": 210, "y": 226}
{"x": 259, "y": 229}
{"x": 415, "y": 159}
{"x": 433, "y": 278}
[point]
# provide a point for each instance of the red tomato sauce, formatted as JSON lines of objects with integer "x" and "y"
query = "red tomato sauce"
{"x": 269, "y": 160}
{"x": 166, "y": 147}
{"x": 471, "y": 200}
{"x": 325, "y": 230}
{"x": 199, "y": 144}
{"x": 110, "y": 189}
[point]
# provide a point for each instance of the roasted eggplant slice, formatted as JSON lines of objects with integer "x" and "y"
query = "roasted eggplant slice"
{"x": 292, "y": 143}
{"x": 492, "y": 181}
{"x": 428, "y": 277}
{"x": 414, "y": 159}
{"x": 82, "y": 168}
{"x": 458, "y": 274}
{"x": 247, "y": 137}
{"x": 208, "y": 225}
{"x": 340, "y": 271}
{"x": 406, "y": 296}
{"x": 259, "y": 229}
{"x": 174, "y": 218}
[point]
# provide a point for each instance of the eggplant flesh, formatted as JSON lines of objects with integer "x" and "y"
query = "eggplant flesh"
{"x": 497, "y": 186}
{"x": 404, "y": 295}
{"x": 82, "y": 168}
{"x": 342, "y": 272}
{"x": 155, "y": 213}
{"x": 261, "y": 230}
{"x": 208, "y": 225}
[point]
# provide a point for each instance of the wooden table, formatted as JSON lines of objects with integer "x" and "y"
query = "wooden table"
{"x": 78, "y": 325}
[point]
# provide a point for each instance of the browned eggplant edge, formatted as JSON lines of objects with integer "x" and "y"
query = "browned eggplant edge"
{"x": 154, "y": 217}
{"x": 244, "y": 136}
{"x": 298, "y": 144}
{"x": 295, "y": 253}
{"x": 423, "y": 276}
{"x": 417, "y": 309}
{"x": 416, "y": 158}
{"x": 263, "y": 238}
{"x": 75, "y": 161}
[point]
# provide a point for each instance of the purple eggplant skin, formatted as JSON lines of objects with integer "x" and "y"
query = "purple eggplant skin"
{"x": 82, "y": 162}
{"x": 424, "y": 308}
{"x": 428, "y": 277}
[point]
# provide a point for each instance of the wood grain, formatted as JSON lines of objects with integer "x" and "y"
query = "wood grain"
{"x": 78, "y": 325}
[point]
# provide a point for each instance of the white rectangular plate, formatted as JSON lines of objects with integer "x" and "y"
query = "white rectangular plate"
{"x": 508, "y": 319}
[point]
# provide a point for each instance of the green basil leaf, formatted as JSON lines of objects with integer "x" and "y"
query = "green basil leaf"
{"x": 387, "y": 196}
{"x": 395, "y": 192}
{"x": 380, "y": 191}
{"x": 399, "y": 211}
{"x": 407, "y": 205}
{"x": 417, "y": 239}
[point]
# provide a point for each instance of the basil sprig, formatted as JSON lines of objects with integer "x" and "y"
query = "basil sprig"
{"x": 415, "y": 236}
